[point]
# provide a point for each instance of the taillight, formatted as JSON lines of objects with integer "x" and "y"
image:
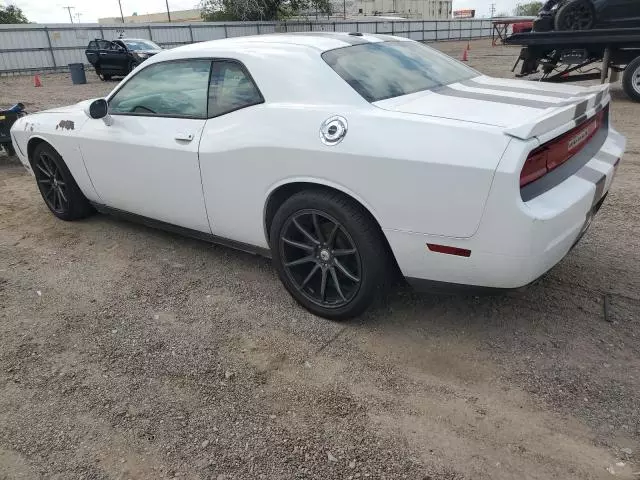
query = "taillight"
{"x": 535, "y": 167}
{"x": 556, "y": 152}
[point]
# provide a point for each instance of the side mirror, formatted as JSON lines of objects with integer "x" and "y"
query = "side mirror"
{"x": 99, "y": 108}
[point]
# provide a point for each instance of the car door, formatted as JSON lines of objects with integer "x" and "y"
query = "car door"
{"x": 122, "y": 56}
{"x": 619, "y": 13}
{"x": 92, "y": 52}
{"x": 234, "y": 98}
{"x": 146, "y": 161}
{"x": 106, "y": 57}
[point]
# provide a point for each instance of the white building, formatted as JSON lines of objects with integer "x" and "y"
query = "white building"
{"x": 413, "y": 9}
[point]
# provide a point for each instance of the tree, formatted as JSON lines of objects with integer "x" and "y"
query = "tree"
{"x": 224, "y": 10}
{"x": 12, "y": 14}
{"x": 530, "y": 9}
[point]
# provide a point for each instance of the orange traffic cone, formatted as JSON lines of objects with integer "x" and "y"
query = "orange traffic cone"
{"x": 465, "y": 55}
{"x": 36, "y": 81}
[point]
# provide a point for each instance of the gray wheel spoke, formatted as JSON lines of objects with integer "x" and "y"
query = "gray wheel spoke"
{"x": 343, "y": 252}
{"x": 300, "y": 261}
{"x": 305, "y": 233}
{"x": 293, "y": 243}
{"x": 45, "y": 181}
{"x": 323, "y": 285}
{"x": 332, "y": 235}
{"x": 334, "y": 276}
{"x": 55, "y": 199}
{"x": 346, "y": 272}
{"x": 43, "y": 170}
{"x": 316, "y": 226}
{"x": 310, "y": 276}
{"x": 62, "y": 195}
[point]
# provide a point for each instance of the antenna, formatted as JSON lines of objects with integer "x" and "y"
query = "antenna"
{"x": 68, "y": 9}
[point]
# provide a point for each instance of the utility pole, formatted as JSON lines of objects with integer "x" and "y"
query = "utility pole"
{"x": 120, "y": 5}
{"x": 168, "y": 12}
{"x": 78, "y": 15}
{"x": 69, "y": 10}
{"x": 493, "y": 10}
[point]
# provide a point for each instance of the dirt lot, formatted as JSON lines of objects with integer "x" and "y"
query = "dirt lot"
{"x": 129, "y": 353}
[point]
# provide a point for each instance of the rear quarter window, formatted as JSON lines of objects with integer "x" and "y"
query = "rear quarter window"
{"x": 92, "y": 45}
{"x": 382, "y": 70}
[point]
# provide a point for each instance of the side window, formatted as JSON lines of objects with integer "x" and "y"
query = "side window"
{"x": 231, "y": 88}
{"x": 103, "y": 44}
{"x": 92, "y": 45}
{"x": 174, "y": 89}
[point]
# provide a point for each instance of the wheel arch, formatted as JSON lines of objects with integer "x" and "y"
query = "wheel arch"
{"x": 281, "y": 191}
{"x": 33, "y": 142}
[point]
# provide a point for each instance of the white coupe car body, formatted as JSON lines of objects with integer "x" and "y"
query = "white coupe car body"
{"x": 440, "y": 169}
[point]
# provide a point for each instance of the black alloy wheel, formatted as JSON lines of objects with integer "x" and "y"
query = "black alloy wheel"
{"x": 51, "y": 184}
{"x": 57, "y": 186}
{"x": 320, "y": 258}
{"x": 576, "y": 15}
{"x": 330, "y": 253}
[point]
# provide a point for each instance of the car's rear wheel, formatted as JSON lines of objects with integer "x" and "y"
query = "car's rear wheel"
{"x": 631, "y": 80}
{"x": 576, "y": 15}
{"x": 329, "y": 253}
{"x": 59, "y": 190}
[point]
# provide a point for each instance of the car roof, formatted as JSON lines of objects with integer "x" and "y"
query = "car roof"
{"x": 320, "y": 41}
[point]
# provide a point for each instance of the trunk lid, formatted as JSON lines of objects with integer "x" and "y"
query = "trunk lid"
{"x": 522, "y": 109}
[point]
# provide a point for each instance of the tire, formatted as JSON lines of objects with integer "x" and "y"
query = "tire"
{"x": 59, "y": 190}
{"x": 349, "y": 253}
{"x": 631, "y": 80}
{"x": 575, "y": 15}
{"x": 106, "y": 77}
{"x": 9, "y": 149}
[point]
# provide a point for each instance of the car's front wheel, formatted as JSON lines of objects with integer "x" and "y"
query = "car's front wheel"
{"x": 329, "y": 253}
{"x": 56, "y": 184}
{"x": 576, "y": 15}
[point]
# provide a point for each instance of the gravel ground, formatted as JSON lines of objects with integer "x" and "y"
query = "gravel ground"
{"x": 130, "y": 353}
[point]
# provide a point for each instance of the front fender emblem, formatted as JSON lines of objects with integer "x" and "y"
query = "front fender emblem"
{"x": 333, "y": 130}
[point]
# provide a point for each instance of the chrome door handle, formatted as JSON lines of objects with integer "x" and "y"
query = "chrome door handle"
{"x": 184, "y": 137}
{"x": 103, "y": 53}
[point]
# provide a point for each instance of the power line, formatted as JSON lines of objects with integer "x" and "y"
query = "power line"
{"x": 69, "y": 10}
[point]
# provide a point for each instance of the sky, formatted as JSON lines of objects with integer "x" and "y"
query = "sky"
{"x": 53, "y": 11}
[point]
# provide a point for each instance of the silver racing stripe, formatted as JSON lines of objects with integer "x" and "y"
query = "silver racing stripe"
{"x": 487, "y": 97}
{"x": 581, "y": 109}
{"x": 528, "y": 91}
{"x": 595, "y": 177}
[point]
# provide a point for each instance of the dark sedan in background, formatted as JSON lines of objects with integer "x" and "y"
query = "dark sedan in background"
{"x": 587, "y": 14}
{"x": 119, "y": 57}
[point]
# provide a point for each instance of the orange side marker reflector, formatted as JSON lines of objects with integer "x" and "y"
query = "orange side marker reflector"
{"x": 460, "y": 252}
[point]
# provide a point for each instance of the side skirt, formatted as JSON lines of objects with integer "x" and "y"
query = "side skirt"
{"x": 187, "y": 232}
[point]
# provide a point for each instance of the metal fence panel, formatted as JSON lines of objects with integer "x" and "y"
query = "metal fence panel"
{"x": 11, "y": 40}
{"x": 172, "y": 35}
{"x": 32, "y": 47}
{"x": 201, "y": 34}
{"x": 65, "y": 57}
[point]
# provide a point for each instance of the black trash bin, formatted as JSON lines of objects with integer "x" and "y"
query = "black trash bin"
{"x": 77, "y": 73}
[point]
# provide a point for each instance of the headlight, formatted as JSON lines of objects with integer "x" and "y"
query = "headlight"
{"x": 143, "y": 56}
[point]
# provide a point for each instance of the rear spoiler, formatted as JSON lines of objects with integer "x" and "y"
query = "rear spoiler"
{"x": 574, "y": 110}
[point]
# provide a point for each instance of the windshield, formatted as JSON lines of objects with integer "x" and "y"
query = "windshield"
{"x": 141, "y": 45}
{"x": 390, "y": 69}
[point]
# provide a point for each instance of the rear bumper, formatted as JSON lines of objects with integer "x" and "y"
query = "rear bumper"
{"x": 516, "y": 242}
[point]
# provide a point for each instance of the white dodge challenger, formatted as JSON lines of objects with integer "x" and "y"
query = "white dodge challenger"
{"x": 344, "y": 156}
